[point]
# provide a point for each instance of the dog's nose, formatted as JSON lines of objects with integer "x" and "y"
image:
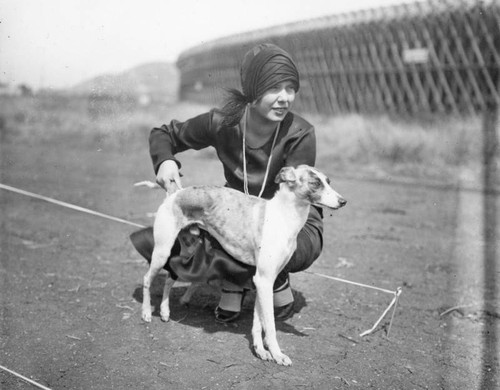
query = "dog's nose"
{"x": 342, "y": 202}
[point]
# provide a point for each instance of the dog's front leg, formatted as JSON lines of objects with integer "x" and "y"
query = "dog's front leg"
{"x": 265, "y": 315}
{"x": 258, "y": 344}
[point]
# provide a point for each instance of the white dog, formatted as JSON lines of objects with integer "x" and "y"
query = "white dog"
{"x": 258, "y": 232}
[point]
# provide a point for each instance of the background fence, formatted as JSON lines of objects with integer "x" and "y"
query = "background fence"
{"x": 424, "y": 57}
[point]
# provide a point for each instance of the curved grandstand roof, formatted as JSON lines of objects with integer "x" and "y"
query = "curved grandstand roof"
{"x": 401, "y": 11}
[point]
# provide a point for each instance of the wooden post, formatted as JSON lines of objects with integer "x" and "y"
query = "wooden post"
{"x": 491, "y": 236}
{"x": 490, "y": 146}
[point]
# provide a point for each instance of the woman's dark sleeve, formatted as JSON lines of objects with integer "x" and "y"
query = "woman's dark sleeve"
{"x": 168, "y": 140}
{"x": 301, "y": 148}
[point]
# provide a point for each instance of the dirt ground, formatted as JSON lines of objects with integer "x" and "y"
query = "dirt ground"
{"x": 71, "y": 287}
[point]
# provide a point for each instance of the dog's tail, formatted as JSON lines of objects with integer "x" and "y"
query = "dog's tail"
{"x": 149, "y": 184}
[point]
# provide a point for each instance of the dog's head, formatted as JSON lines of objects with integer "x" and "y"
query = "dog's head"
{"x": 311, "y": 185}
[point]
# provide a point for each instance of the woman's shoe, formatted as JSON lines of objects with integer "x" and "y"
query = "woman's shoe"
{"x": 231, "y": 299}
{"x": 225, "y": 316}
{"x": 284, "y": 312}
{"x": 283, "y": 301}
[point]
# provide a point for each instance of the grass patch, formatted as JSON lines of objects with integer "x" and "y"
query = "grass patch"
{"x": 437, "y": 149}
{"x": 79, "y": 122}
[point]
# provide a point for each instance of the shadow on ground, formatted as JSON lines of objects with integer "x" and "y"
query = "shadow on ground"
{"x": 199, "y": 313}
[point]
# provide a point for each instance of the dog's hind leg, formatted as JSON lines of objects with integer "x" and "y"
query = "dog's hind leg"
{"x": 165, "y": 302}
{"x": 166, "y": 228}
{"x": 158, "y": 260}
{"x": 186, "y": 297}
{"x": 161, "y": 253}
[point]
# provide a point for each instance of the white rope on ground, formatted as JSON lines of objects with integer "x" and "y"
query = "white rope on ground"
{"x": 68, "y": 205}
{"x": 349, "y": 282}
{"x": 394, "y": 301}
{"x": 31, "y": 382}
{"x": 396, "y": 293}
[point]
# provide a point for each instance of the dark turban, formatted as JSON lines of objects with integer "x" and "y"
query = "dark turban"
{"x": 265, "y": 66}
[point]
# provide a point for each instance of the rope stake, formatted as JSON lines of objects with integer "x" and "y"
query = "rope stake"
{"x": 394, "y": 302}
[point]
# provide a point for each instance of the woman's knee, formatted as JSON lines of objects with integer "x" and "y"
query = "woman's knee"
{"x": 309, "y": 246}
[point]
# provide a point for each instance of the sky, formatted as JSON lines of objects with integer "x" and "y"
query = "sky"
{"x": 59, "y": 43}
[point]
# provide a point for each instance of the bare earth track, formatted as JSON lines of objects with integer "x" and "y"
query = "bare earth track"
{"x": 71, "y": 288}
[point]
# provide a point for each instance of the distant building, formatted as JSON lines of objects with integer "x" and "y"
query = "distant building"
{"x": 7, "y": 89}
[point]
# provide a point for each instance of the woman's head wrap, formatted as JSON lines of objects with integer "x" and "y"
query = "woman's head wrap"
{"x": 265, "y": 66}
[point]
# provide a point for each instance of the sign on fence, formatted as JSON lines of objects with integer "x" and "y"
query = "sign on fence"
{"x": 416, "y": 56}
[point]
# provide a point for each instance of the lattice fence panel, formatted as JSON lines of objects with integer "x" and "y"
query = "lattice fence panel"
{"x": 433, "y": 56}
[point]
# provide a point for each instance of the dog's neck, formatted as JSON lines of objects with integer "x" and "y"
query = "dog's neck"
{"x": 287, "y": 200}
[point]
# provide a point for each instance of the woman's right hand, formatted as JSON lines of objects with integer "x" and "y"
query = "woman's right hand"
{"x": 168, "y": 176}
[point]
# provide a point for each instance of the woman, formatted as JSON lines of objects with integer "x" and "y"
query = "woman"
{"x": 255, "y": 134}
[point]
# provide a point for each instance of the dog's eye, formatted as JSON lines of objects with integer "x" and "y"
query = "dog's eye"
{"x": 328, "y": 180}
{"x": 315, "y": 184}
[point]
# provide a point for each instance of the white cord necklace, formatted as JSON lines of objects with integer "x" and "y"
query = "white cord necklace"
{"x": 245, "y": 177}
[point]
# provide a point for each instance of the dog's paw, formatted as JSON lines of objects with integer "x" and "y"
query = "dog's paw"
{"x": 146, "y": 316}
{"x": 165, "y": 317}
{"x": 263, "y": 353}
{"x": 282, "y": 360}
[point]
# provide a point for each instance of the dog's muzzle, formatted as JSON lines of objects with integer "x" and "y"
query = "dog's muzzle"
{"x": 340, "y": 202}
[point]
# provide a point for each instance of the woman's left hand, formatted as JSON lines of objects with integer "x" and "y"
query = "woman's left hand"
{"x": 168, "y": 176}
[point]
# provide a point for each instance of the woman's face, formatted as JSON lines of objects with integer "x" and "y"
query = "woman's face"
{"x": 276, "y": 102}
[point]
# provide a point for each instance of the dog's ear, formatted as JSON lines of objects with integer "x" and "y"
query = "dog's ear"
{"x": 286, "y": 174}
